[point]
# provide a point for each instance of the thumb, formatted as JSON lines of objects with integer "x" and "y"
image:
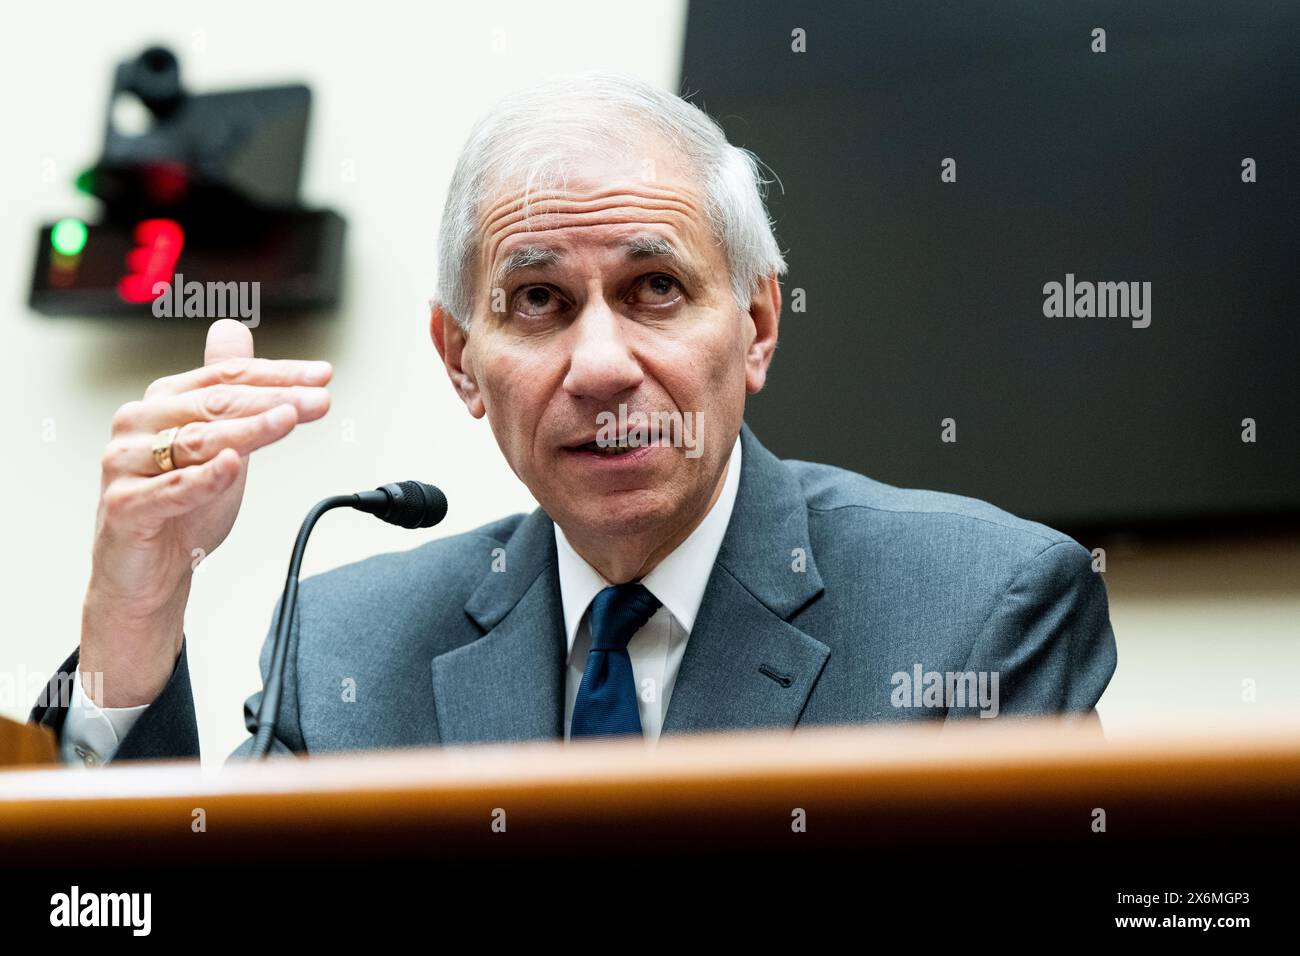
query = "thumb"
{"x": 227, "y": 338}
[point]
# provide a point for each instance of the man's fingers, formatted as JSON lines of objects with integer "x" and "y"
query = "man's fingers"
{"x": 197, "y": 442}
{"x": 206, "y": 440}
{"x": 243, "y": 371}
{"x": 227, "y": 339}
{"x": 176, "y": 493}
{"x": 191, "y": 487}
{"x": 217, "y": 402}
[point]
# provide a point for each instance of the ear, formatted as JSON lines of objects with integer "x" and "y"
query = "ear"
{"x": 765, "y": 320}
{"x": 452, "y": 343}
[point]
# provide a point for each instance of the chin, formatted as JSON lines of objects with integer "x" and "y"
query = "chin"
{"x": 622, "y": 512}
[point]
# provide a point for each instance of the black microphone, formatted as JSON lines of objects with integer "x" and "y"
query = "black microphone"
{"x": 407, "y": 504}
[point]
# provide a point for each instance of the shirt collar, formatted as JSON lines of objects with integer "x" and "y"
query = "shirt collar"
{"x": 678, "y": 581}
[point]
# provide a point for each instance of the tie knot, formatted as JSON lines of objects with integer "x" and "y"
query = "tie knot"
{"x": 617, "y": 613}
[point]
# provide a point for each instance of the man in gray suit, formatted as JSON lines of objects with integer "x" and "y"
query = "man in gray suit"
{"x": 608, "y": 297}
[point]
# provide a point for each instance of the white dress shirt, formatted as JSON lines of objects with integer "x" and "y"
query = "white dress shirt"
{"x": 91, "y": 734}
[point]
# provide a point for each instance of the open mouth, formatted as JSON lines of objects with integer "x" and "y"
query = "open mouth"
{"x": 611, "y": 449}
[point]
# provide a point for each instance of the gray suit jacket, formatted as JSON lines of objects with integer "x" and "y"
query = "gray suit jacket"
{"x": 827, "y": 586}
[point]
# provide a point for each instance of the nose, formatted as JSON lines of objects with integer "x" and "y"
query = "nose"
{"x": 601, "y": 363}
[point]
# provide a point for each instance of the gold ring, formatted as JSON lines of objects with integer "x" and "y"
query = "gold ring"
{"x": 162, "y": 447}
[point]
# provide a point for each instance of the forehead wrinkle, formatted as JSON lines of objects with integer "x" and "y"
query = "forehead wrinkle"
{"x": 517, "y": 213}
{"x": 517, "y": 201}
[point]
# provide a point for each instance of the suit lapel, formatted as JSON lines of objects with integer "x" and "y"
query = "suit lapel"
{"x": 745, "y": 665}
{"x": 509, "y": 684}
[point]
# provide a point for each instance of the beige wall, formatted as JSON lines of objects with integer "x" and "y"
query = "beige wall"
{"x": 1204, "y": 625}
{"x": 396, "y": 86}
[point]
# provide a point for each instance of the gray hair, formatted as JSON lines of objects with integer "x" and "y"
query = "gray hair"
{"x": 529, "y": 139}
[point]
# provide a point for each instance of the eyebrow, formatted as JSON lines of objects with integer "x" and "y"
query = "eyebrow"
{"x": 637, "y": 248}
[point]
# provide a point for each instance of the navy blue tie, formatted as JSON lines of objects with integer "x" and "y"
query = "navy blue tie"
{"x": 607, "y": 700}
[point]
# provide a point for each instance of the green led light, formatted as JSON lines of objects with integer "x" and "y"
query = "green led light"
{"x": 68, "y": 237}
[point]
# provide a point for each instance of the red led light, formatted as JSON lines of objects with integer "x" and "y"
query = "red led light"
{"x": 153, "y": 260}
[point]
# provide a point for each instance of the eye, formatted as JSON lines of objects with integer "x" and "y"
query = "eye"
{"x": 537, "y": 300}
{"x": 657, "y": 289}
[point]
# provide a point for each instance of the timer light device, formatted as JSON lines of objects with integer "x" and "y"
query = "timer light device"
{"x": 203, "y": 186}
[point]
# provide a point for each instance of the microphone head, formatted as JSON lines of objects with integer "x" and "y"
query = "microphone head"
{"x": 413, "y": 504}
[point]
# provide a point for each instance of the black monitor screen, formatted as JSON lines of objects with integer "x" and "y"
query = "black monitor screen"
{"x": 1072, "y": 252}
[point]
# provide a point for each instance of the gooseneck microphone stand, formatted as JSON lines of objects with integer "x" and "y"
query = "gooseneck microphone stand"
{"x": 408, "y": 504}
